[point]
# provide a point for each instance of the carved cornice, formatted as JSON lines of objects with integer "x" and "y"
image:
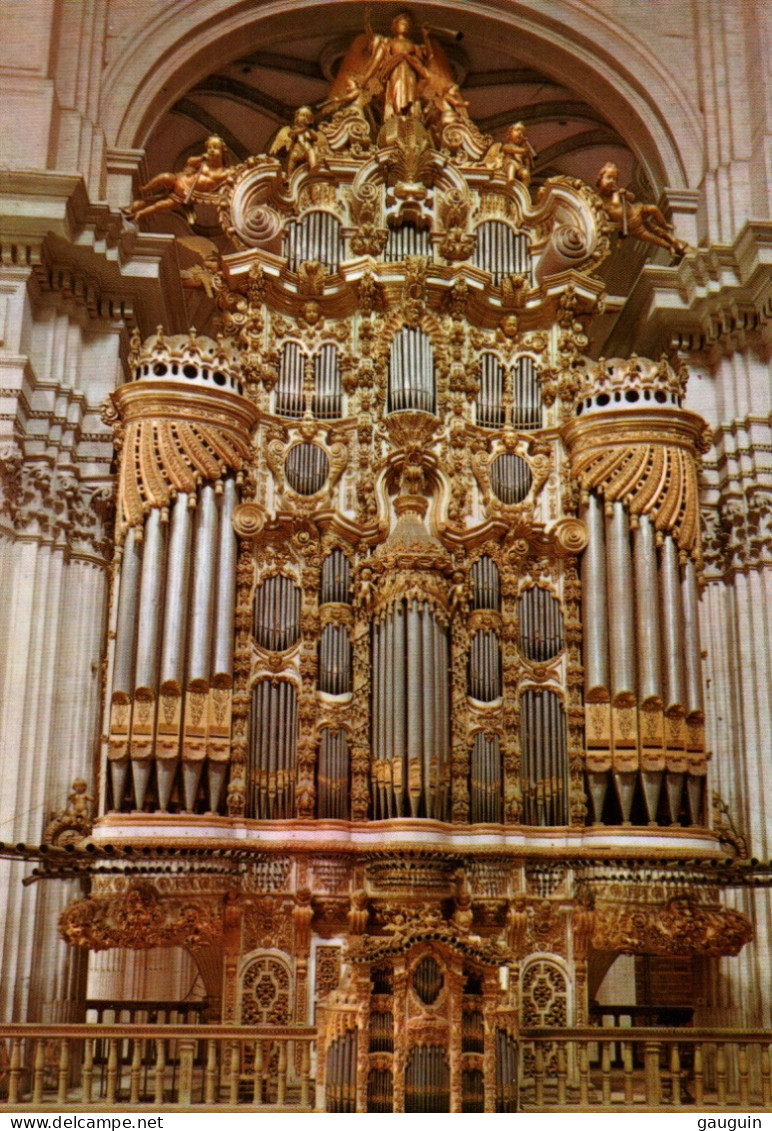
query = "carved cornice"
{"x": 716, "y": 298}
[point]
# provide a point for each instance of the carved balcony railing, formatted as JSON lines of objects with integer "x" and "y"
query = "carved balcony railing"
{"x": 163, "y": 1066}
{"x": 644, "y": 1069}
{"x": 170, "y": 1067}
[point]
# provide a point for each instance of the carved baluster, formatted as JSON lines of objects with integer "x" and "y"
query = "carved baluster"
{"x": 742, "y": 1072}
{"x": 766, "y": 1077}
{"x": 233, "y": 1095}
{"x": 721, "y": 1074}
{"x": 627, "y": 1070}
{"x": 651, "y": 1069}
{"x": 584, "y": 1075}
{"x": 14, "y": 1075}
{"x": 305, "y": 1072}
{"x": 210, "y": 1073}
{"x": 699, "y": 1076}
{"x": 136, "y": 1071}
{"x": 257, "y": 1073}
{"x": 159, "y": 1071}
{"x": 605, "y": 1072}
{"x": 38, "y": 1071}
{"x": 538, "y": 1073}
{"x": 561, "y": 1074}
{"x": 675, "y": 1074}
{"x": 185, "y": 1086}
{"x": 112, "y": 1070}
{"x": 63, "y": 1071}
{"x": 281, "y": 1087}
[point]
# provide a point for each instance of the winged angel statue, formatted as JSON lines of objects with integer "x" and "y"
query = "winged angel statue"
{"x": 396, "y": 74}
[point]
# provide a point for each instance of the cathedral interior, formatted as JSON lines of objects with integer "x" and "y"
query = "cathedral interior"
{"x": 386, "y": 555}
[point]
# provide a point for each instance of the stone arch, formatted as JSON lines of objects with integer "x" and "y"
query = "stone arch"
{"x": 608, "y": 65}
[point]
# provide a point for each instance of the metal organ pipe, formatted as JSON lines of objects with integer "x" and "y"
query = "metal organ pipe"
{"x": 490, "y": 400}
{"x": 205, "y": 555}
{"x": 620, "y": 599}
{"x": 200, "y": 640}
{"x": 176, "y": 602}
{"x": 647, "y": 607}
{"x": 148, "y": 645}
{"x": 327, "y": 390}
{"x": 225, "y": 598}
{"x": 414, "y": 711}
{"x": 222, "y": 660}
{"x": 595, "y": 610}
{"x": 544, "y": 767}
{"x": 672, "y": 625}
{"x": 125, "y": 648}
{"x": 527, "y": 395}
{"x": 173, "y": 649}
{"x": 150, "y": 603}
{"x": 289, "y": 387}
{"x": 692, "y": 656}
{"x": 410, "y": 712}
{"x": 411, "y": 372}
{"x": 126, "y": 626}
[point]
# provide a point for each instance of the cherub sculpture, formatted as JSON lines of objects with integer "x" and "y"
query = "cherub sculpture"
{"x": 303, "y": 144}
{"x": 203, "y": 174}
{"x": 513, "y": 157}
{"x": 644, "y": 221}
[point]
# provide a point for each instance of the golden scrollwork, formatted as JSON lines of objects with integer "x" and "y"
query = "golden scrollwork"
{"x": 682, "y": 926}
{"x": 139, "y": 919}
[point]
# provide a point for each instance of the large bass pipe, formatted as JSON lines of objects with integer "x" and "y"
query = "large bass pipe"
{"x": 595, "y": 614}
{"x": 173, "y": 649}
{"x": 200, "y": 644}
{"x": 620, "y": 600}
{"x": 124, "y": 664}
{"x": 672, "y": 625}
{"x": 218, "y": 735}
{"x": 692, "y": 656}
{"x": 148, "y": 641}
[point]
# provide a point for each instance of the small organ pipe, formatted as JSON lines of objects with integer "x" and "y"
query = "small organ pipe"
{"x": 672, "y": 625}
{"x": 150, "y": 603}
{"x": 126, "y": 626}
{"x": 205, "y": 552}
{"x": 646, "y": 608}
{"x": 690, "y": 603}
{"x": 595, "y": 611}
{"x": 620, "y": 599}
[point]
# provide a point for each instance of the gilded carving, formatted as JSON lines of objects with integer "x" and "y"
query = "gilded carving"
{"x": 140, "y": 919}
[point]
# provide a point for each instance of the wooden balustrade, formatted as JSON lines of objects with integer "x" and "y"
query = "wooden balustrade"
{"x": 186, "y": 1066}
{"x": 617, "y": 1068}
{"x": 164, "y": 1066}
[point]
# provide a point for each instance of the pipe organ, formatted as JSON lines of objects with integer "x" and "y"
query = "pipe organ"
{"x": 637, "y": 465}
{"x": 406, "y": 614}
{"x": 186, "y": 446}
